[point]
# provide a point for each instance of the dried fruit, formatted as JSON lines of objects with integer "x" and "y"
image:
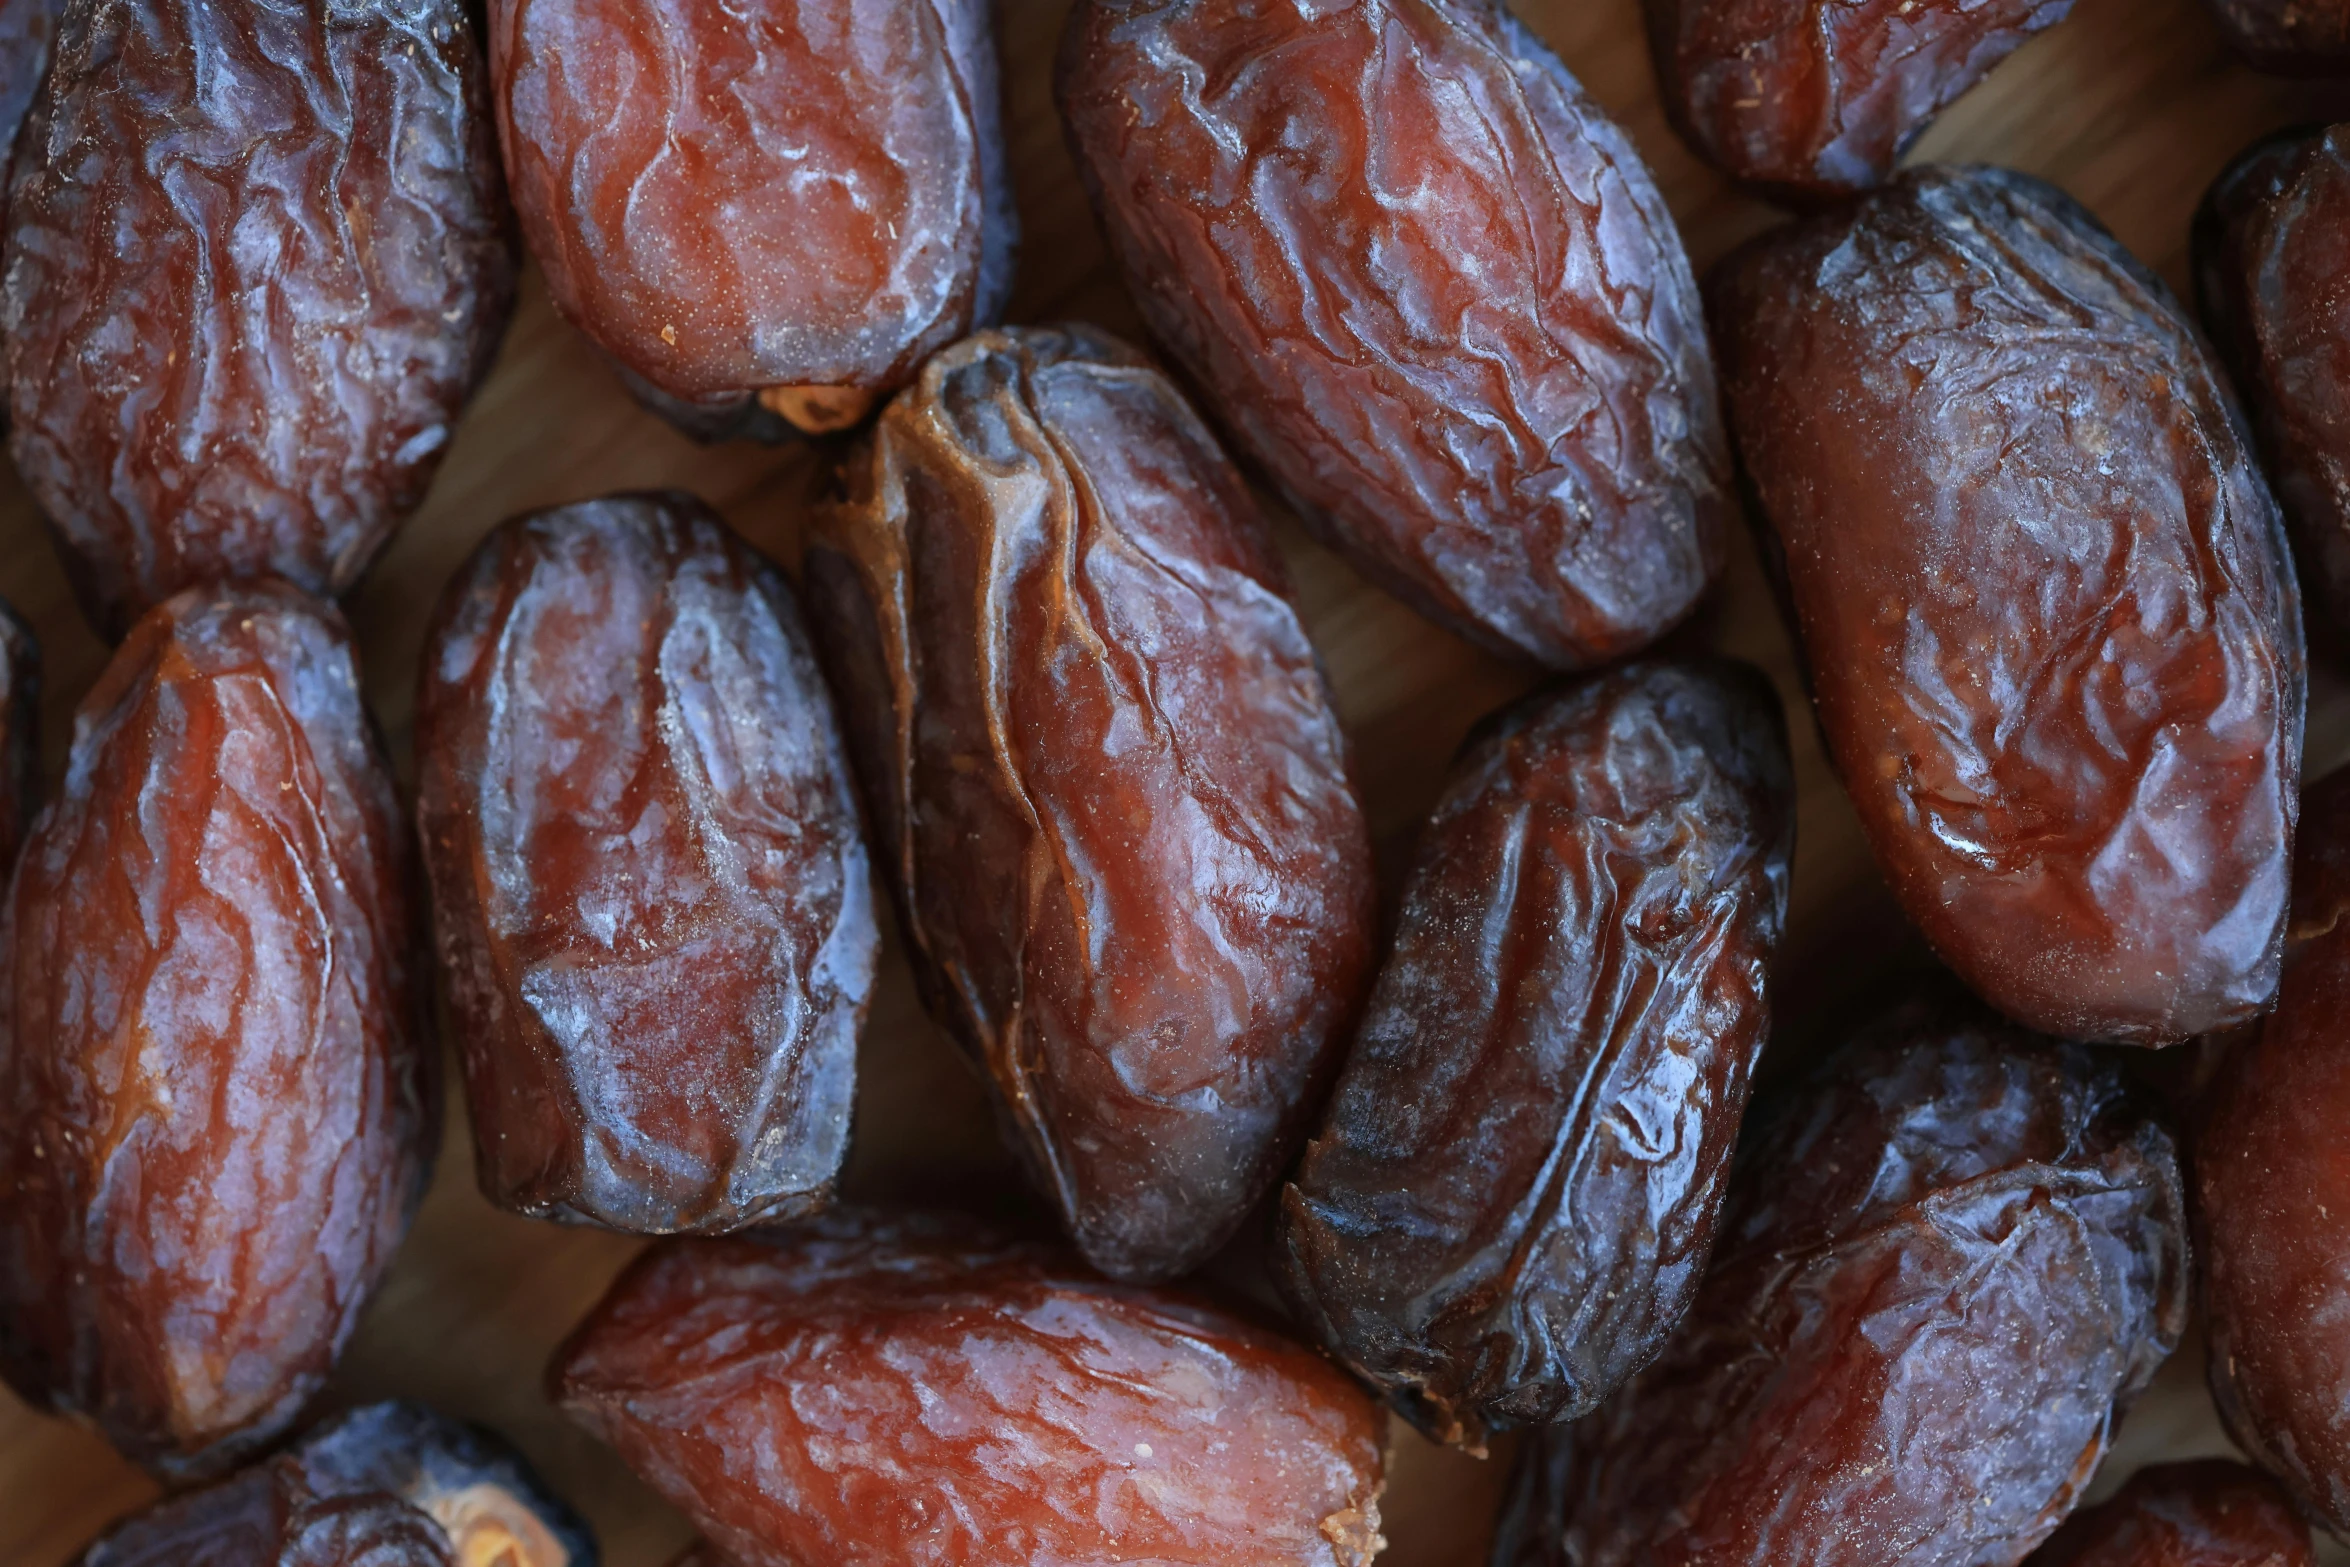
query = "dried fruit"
{"x": 214, "y": 1117}
{"x": 919, "y": 1392}
{"x": 1110, "y": 794}
{"x": 2289, "y": 37}
{"x": 2207, "y": 1514}
{"x": 2042, "y": 592}
{"x": 1947, "y": 1262}
{"x": 801, "y": 201}
{"x": 258, "y": 256}
{"x": 1434, "y": 293}
{"x": 1514, "y": 1194}
{"x": 20, "y": 726}
{"x": 654, "y": 912}
{"x": 26, "y": 27}
{"x": 1819, "y": 97}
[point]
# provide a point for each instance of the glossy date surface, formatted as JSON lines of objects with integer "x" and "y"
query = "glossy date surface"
{"x": 2289, "y": 37}
{"x": 2052, "y": 633}
{"x": 2201, "y": 1514}
{"x": 1514, "y": 1192}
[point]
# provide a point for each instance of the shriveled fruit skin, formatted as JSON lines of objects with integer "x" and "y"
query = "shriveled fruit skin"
{"x": 2289, "y": 37}
{"x": 20, "y": 733}
{"x": 651, "y": 901}
{"x": 1949, "y": 1261}
{"x": 916, "y": 1391}
{"x": 1430, "y": 288}
{"x": 809, "y": 194}
{"x": 2208, "y": 1513}
{"x": 1513, "y": 1196}
{"x": 26, "y": 28}
{"x": 258, "y": 255}
{"x": 1109, "y": 791}
{"x": 2052, "y": 633}
{"x": 215, "y": 1120}
{"x": 1818, "y": 98}
{"x": 2272, "y": 253}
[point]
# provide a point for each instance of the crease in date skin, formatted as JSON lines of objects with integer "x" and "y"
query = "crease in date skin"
{"x": 20, "y": 733}
{"x": 2050, "y": 624}
{"x": 915, "y": 1390}
{"x": 1949, "y": 1262}
{"x": 653, "y": 907}
{"x": 1430, "y": 289}
{"x": 2205, "y": 1513}
{"x": 1515, "y": 1188}
{"x": 215, "y": 1118}
{"x": 2288, "y": 37}
{"x": 1109, "y": 792}
{"x": 258, "y": 257}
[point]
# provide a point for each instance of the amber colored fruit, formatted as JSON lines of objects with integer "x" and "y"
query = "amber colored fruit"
{"x": 2042, "y": 591}
{"x": 1430, "y": 288}
{"x": 258, "y": 256}
{"x": 1109, "y": 792}
{"x": 1817, "y": 98}
{"x": 916, "y": 1391}
{"x": 2272, "y": 253}
{"x": 654, "y": 913}
{"x": 387, "y": 1485}
{"x": 2289, "y": 37}
{"x": 1514, "y": 1194}
{"x": 802, "y": 199}
{"x": 20, "y": 733}
{"x": 215, "y": 1120}
{"x": 2204, "y": 1514}
{"x": 1949, "y": 1260}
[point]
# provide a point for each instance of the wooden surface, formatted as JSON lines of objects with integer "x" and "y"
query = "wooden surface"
{"x": 2131, "y": 105}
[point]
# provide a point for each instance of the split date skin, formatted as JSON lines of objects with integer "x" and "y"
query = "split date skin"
{"x": 2201, "y": 1514}
{"x": 2288, "y": 37}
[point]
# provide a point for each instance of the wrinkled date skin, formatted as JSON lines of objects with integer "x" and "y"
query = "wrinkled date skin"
{"x": 1515, "y": 1191}
{"x": 2289, "y": 37}
{"x": 1110, "y": 793}
{"x": 651, "y": 899}
{"x": 26, "y": 27}
{"x": 801, "y": 200}
{"x": 2052, "y": 633}
{"x": 2204, "y": 1514}
{"x": 387, "y": 1485}
{"x": 20, "y": 733}
{"x": 2272, "y": 252}
{"x": 1432, "y": 290}
{"x": 918, "y": 1392}
{"x": 1817, "y": 98}
{"x": 1949, "y": 1261}
{"x": 258, "y": 255}
{"x": 215, "y": 1120}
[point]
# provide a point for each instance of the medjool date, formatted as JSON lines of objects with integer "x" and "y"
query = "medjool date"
{"x": 653, "y": 908}
{"x": 1433, "y": 292}
{"x": 918, "y": 1392}
{"x": 2052, "y": 633}
{"x": 258, "y": 256}
{"x": 214, "y": 1123}
{"x": 2207, "y": 1514}
{"x": 2289, "y": 37}
{"x": 20, "y": 725}
{"x": 1948, "y": 1262}
{"x": 1111, "y": 797}
{"x": 26, "y": 27}
{"x": 1514, "y": 1194}
{"x": 800, "y": 201}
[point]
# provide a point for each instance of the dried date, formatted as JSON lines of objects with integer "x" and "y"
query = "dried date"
{"x": 26, "y": 27}
{"x": 1111, "y": 797}
{"x": 1949, "y": 1260}
{"x": 20, "y": 733}
{"x": 2205, "y": 1514}
{"x": 916, "y": 1391}
{"x": 652, "y": 905}
{"x": 2289, "y": 37}
{"x": 1434, "y": 293}
{"x": 2052, "y": 633}
{"x": 1515, "y": 1190}
{"x": 214, "y": 1118}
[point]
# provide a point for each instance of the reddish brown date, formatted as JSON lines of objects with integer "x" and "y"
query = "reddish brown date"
{"x": 1818, "y": 98}
{"x": 1514, "y": 1193}
{"x": 214, "y": 1118}
{"x": 1950, "y": 1259}
{"x": 257, "y": 258}
{"x": 2205, "y": 1514}
{"x": 653, "y": 909}
{"x": 2052, "y": 633}
{"x": 20, "y": 733}
{"x": 2289, "y": 37}
{"x": 918, "y": 1392}
{"x": 1111, "y": 797}
{"x": 799, "y": 201}
{"x": 1430, "y": 288}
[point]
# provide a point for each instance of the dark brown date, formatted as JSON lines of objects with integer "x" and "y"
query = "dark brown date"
{"x": 2289, "y": 37}
{"x": 1430, "y": 288}
{"x": 651, "y": 900}
{"x": 2052, "y": 633}
{"x": 215, "y": 1120}
{"x": 20, "y": 733}
{"x": 1818, "y": 98}
{"x": 26, "y": 27}
{"x": 1949, "y": 1261}
{"x": 1111, "y": 796}
{"x": 916, "y": 1391}
{"x": 2205, "y": 1514}
{"x": 1515, "y": 1191}
{"x": 801, "y": 201}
